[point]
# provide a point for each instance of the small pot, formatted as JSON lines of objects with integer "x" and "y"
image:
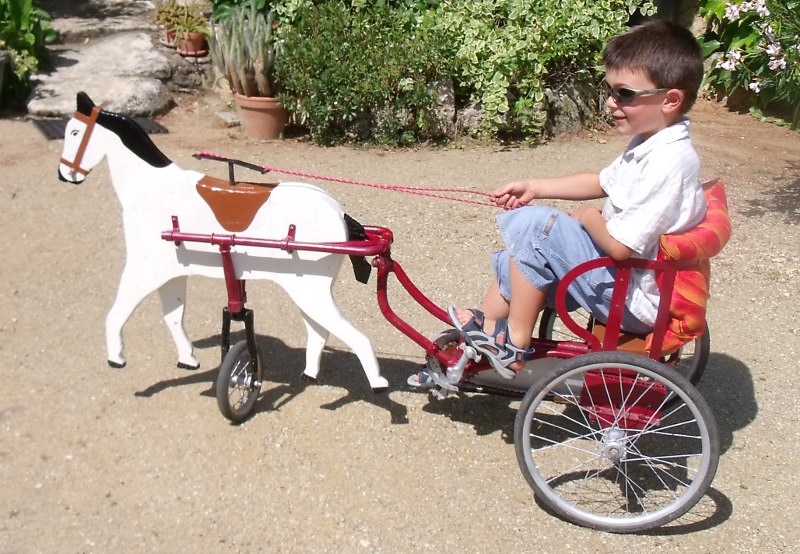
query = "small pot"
{"x": 191, "y": 44}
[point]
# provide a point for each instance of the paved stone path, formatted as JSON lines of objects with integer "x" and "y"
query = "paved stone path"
{"x": 108, "y": 49}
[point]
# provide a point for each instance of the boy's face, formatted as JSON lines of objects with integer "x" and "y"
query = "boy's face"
{"x": 646, "y": 114}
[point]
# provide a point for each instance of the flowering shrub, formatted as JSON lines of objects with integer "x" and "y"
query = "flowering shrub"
{"x": 758, "y": 49}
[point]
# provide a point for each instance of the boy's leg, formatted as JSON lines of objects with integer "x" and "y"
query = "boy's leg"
{"x": 494, "y": 306}
{"x": 522, "y": 312}
{"x": 526, "y": 303}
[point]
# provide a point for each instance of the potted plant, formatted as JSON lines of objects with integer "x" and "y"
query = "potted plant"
{"x": 191, "y": 29}
{"x": 167, "y": 14}
{"x": 244, "y": 48}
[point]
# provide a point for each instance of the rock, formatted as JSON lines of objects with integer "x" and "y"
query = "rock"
{"x": 124, "y": 72}
{"x": 444, "y": 112}
{"x": 569, "y": 108}
{"x": 78, "y": 20}
{"x": 469, "y": 118}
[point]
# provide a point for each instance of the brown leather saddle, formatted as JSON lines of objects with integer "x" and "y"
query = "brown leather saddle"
{"x": 236, "y": 205}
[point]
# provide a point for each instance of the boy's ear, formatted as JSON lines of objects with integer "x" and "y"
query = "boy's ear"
{"x": 673, "y": 100}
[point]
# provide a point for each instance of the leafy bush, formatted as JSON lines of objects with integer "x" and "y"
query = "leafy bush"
{"x": 349, "y": 69}
{"x": 351, "y": 62}
{"x": 758, "y": 44}
{"x": 24, "y": 32}
{"x": 507, "y": 51}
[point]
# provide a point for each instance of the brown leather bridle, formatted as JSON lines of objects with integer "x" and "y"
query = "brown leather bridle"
{"x": 90, "y": 120}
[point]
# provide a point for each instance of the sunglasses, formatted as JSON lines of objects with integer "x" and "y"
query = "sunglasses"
{"x": 623, "y": 96}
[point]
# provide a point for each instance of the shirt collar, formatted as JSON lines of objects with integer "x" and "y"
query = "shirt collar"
{"x": 638, "y": 149}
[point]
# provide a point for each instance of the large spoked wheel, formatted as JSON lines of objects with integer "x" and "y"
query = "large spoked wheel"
{"x": 616, "y": 442}
{"x": 238, "y": 385}
{"x": 690, "y": 362}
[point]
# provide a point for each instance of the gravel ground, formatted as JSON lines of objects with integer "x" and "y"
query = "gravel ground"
{"x": 139, "y": 459}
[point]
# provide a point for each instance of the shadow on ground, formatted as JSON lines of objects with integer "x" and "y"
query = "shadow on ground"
{"x": 783, "y": 199}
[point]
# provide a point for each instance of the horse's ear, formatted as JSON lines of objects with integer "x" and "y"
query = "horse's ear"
{"x": 85, "y": 103}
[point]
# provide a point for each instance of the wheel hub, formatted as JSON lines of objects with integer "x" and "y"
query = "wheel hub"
{"x": 613, "y": 446}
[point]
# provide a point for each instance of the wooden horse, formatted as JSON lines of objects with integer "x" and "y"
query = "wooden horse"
{"x": 152, "y": 190}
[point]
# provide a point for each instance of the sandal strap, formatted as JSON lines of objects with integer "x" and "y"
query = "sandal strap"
{"x": 475, "y": 323}
{"x": 498, "y": 348}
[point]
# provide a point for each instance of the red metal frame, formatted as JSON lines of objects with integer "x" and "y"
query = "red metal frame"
{"x": 378, "y": 243}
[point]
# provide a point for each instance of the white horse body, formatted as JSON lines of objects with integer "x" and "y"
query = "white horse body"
{"x": 150, "y": 196}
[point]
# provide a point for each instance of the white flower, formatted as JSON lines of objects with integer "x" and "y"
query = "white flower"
{"x": 731, "y": 61}
{"x": 755, "y": 86}
{"x": 732, "y": 11}
{"x": 773, "y": 49}
{"x": 777, "y": 64}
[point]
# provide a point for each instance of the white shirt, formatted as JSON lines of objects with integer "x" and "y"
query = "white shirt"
{"x": 653, "y": 188}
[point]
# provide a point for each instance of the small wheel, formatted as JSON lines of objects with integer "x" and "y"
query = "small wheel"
{"x": 238, "y": 385}
{"x": 616, "y": 442}
{"x": 693, "y": 357}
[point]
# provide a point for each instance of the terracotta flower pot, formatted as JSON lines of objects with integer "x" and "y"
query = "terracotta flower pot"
{"x": 168, "y": 38}
{"x": 261, "y": 117}
{"x": 191, "y": 44}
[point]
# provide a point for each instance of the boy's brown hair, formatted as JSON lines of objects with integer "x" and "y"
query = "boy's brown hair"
{"x": 667, "y": 53}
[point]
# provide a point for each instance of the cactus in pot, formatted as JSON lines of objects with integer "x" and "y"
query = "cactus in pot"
{"x": 244, "y": 49}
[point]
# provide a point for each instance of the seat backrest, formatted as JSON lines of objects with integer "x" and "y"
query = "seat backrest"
{"x": 689, "y": 299}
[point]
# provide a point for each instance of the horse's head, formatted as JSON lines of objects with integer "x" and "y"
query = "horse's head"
{"x": 77, "y": 159}
{"x": 84, "y": 149}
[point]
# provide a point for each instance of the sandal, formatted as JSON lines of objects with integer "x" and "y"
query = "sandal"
{"x": 475, "y": 323}
{"x": 497, "y": 347}
{"x": 420, "y": 380}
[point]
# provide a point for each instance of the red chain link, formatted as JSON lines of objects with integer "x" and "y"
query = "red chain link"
{"x": 421, "y": 191}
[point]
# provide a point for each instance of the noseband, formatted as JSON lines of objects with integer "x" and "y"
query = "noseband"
{"x": 90, "y": 120}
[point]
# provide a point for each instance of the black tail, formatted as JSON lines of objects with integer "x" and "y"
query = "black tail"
{"x": 361, "y": 267}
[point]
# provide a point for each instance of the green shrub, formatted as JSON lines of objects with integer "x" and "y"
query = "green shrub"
{"x": 24, "y": 32}
{"x": 758, "y": 49}
{"x": 507, "y": 51}
{"x": 350, "y": 70}
{"x": 360, "y": 62}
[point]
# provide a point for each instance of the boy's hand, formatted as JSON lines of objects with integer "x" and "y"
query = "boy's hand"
{"x": 592, "y": 220}
{"x": 514, "y": 195}
{"x": 586, "y": 211}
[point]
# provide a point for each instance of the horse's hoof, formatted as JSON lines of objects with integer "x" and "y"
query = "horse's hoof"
{"x": 308, "y": 379}
{"x": 189, "y": 367}
{"x": 379, "y": 390}
{"x": 116, "y": 365}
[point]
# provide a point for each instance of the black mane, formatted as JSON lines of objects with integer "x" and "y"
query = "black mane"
{"x": 129, "y": 132}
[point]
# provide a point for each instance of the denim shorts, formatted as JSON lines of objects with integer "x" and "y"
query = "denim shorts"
{"x": 545, "y": 244}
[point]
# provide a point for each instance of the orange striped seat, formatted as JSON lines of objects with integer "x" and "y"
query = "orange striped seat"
{"x": 691, "y": 289}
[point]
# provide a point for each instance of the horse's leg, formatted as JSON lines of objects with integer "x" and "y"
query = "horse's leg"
{"x": 317, "y": 337}
{"x": 313, "y": 296}
{"x": 173, "y": 301}
{"x": 133, "y": 288}
{"x": 131, "y": 292}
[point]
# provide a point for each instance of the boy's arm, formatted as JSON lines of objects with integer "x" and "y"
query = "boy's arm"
{"x": 595, "y": 224}
{"x": 581, "y": 186}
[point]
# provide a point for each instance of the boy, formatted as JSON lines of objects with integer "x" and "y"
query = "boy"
{"x": 653, "y": 73}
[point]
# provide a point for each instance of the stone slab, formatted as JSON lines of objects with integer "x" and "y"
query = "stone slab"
{"x": 122, "y": 71}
